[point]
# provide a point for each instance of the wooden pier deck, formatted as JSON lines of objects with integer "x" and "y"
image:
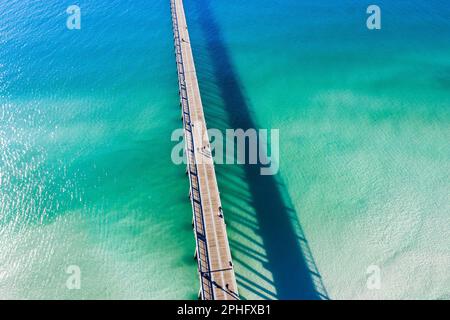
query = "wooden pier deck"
{"x": 215, "y": 267}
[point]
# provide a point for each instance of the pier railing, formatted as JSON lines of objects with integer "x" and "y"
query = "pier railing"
{"x": 204, "y": 268}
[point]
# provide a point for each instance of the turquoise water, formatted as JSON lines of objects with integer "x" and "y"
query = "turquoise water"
{"x": 86, "y": 176}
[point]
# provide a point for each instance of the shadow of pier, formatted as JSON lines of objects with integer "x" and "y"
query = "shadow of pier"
{"x": 286, "y": 252}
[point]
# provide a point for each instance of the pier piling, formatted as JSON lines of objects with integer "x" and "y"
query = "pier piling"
{"x": 212, "y": 251}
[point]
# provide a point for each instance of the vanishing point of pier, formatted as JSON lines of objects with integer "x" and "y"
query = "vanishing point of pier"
{"x": 215, "y": 267}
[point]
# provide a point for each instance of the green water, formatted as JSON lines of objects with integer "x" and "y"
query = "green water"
{"x": 86, "y": 173}
{"x": 364, "y": 123}
{"x": 86, "y": 176}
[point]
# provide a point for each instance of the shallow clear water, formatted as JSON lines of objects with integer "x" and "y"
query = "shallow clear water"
{"x": 87, "y": 180}
{"x": 364, "y": 117}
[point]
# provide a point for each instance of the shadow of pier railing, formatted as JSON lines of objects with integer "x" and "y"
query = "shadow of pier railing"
{"x": 283, "y": 250}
